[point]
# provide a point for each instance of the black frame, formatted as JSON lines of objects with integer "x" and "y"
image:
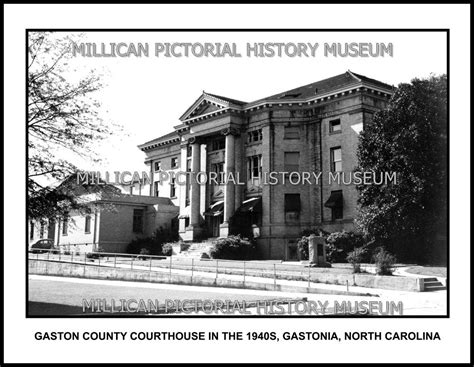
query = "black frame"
{"x": 249, "y": 30}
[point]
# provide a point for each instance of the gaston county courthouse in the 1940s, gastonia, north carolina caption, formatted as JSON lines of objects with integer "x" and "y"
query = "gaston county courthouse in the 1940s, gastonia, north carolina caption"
{"x": 313, "y": 128}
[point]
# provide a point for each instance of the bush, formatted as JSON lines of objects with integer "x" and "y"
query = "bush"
{"x": 205, "y": 255}
{"x": 339, "y": 244}
{"x": 153, "y": 243}
{"x": 233, "y": 248}
{"x": 384, "y": 261}
{"x": 167, "y": 249}
{"x": 356, "y": 257}
{"x": 144, "y": 252}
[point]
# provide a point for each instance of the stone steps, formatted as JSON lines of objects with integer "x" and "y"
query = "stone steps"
{"x": 432, "y": 284}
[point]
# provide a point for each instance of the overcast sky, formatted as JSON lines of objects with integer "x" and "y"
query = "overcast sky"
{"x": 148, "y": 95}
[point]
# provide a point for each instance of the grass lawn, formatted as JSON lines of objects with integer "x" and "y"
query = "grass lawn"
{"x": 440, "y": 271}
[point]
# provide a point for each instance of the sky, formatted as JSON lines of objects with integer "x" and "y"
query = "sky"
{"x": 147, "y": 95}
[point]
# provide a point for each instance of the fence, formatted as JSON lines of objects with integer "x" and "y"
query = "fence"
{"x": 182, "y": 265}
{"x": 167, "y": 268}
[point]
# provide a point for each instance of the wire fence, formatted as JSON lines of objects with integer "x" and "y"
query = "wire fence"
{"x": 187, "y": 266}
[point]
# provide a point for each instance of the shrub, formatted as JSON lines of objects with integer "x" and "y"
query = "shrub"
{"x": 205, "y": 255}
{"x": 167, "y": 249}
{"x": 233, "y": 248}
{"x": 384, "y": 261}
{"x": 339, "y": 244}
{"x": 356, "y": 257}
{"x": 153, "y": 243}
{"x": 144, "y": 252}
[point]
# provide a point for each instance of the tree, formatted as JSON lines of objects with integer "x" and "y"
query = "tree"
{"x": 62, "y": 118}
{"x": 410, "y": 138}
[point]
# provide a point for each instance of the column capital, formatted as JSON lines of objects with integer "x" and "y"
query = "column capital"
{"x": 194, "y": 140}
{"x": 229, "y": 131}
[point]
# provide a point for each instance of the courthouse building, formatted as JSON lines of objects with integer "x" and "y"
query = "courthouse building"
{"x": 313, "y": 128}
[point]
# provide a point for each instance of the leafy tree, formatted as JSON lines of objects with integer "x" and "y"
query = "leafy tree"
{"x": 410, "y": 138}
{"x": 62, "y": 121}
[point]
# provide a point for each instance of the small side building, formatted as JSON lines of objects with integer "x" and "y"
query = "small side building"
{"x": 108, "y": 223}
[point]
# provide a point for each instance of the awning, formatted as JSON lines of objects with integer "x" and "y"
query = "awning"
{"x": 253, "y": 205}
{"x": 183, "y": 216}
{"x": 335, "y": 200}
{"x": 215, "y": 209}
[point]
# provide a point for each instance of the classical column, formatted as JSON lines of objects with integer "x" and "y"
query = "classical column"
{"x": 229, "y": 192}
{"x": 195, "y": 188}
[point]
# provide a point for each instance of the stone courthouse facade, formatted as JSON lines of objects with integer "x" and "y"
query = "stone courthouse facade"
{"x": 313, "y": 128}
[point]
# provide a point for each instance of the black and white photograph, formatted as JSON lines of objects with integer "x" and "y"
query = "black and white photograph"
{"x": 269, "y": 187}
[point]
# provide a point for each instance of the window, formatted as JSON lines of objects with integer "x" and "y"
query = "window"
{"x": 42, "y": 227}
{"x": 173, "y": 187}
{"x": 254, "y": 136}
{"x": 174, "y": 162}
{"x": 32, "y": 230}
{"x": 131, "y": 190}
{"x": 87, "y": 227}
{"x": 157, "y": 166}
{"x": 217, "y": 144}
{"x": 337, "y": 213}
{"x": 292, "y": 161}
{"x": 218, "y": 168}
{"x": 336, "y": 159}
{"x": 156, "y": 188}
{"x": 335, "y": 203}
{"x": 292, "y": 207}
{"x": 65, "y": 225}
{"x": 335, "y": 126}
{"x": 292, "y": 132}
{"x": 255, "y": 166}
{"x": 138, "y": 220}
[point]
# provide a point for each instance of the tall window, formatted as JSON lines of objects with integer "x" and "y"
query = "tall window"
{"x": 255, "y": 166}
{"x": 65, "y": 225}
{"x": 336, "y": 159}
{"x": 156, "y": 186}
{"x": 157, "y": 166}
{"x": 335, "y": 126}
{"x": 42, "y": 227}
{"x": 32, "y": 230}
{"x": 292, "y": 161}
{"x": 292, "y": 132}
{"x": 335, "y": 203}
{"x": 173, "y": 187}
{"x": 218, "y": 168}
{"x": 138, "y": 220}
{"x": 217, "y": 144}
{"x": 174, "y": 162}
{"x": 131, "y": 190}
{"x": 87, "y": 226}
{"x": 292, "y": 207}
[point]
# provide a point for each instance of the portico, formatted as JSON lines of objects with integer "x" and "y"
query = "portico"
{"x": 213, "y": 202}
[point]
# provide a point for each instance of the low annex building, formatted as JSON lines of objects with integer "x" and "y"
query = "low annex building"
{"x": 108, "y": 220}
{"x": 314, "y": 128}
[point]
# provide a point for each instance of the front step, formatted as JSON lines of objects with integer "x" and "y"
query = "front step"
{"x": 432, "y": 284}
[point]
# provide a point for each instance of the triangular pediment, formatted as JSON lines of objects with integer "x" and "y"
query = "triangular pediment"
{"x": 204, "y": 105}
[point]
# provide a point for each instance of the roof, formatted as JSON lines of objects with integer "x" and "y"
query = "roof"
{"x": 137, "y": 199}
{"x": 162, "y": 138}
{"x": 324, "y": 86}
{"x": 234, "y": 101}
{"x": 304, "y": 93}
